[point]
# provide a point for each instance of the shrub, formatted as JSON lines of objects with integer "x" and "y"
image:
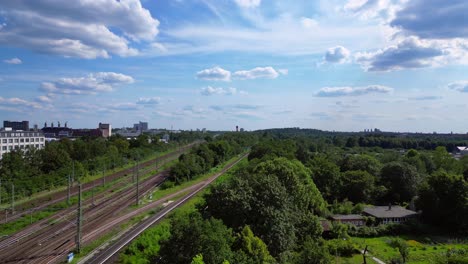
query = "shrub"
{"x": 341, "y": 247}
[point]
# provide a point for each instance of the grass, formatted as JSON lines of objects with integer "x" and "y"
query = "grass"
{"x": 158, "y": 193}
{"x": 421, "y": 249}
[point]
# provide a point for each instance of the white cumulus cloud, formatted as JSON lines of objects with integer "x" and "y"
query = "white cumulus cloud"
{"x": 337, "y": 54}
{"x": 90, "y": 84}
{"x": 208, "y": 91}
{"x": 13, "y": 61}
{"x": 258, "y": 72}
{"x": 79, "y": 28}
{"x": 214, "y": 74}
{"x": 353, "y": 91}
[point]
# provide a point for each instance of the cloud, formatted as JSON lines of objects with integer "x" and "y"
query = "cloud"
{"x": 308, "y": 22}
{"x": 149, "y": 100}
{"x": 433, "y": 19}
{"x": 235, "y": 107}
{"x": 123, "y": 107}
{"x": 459, "y": 86}
{"x": 208, "y": 91}
{"x": 248, "y": 3}
{"x": 90, "y": 84}
{"x": 214, "y": 74}
{"x": 425, "y": 98}
{"x": 258, "y": 72}
{"x": 44, "y": 99}
{"x": 17, "y": 102}
{"x": 79, "y": 28}
{"x": 410, "y": 53}
{"x": 367, "y": 9}
{"x": 13, "y": 61}
{"x": 283, "y": 71}
{"x": 337, "y": 54}
{"x": 353, "y": 91}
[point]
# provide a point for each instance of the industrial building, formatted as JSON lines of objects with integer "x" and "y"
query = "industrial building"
{"x": 16, "y": 125}
{"x": 20, "y": 140}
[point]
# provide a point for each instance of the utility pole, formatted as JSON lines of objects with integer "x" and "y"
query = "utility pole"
{"x": 138, "y": 185}
{"x": 104, "y": 176}
{"x": 69, "y": 191}
{"x": 0, "y": 191}
{"x": 73, "y": 171}
{"x": 134, "y": 172}
{"x": 12, "y": 198}
{"x": 79, "y": 220}
{"x": 92, "y": 193}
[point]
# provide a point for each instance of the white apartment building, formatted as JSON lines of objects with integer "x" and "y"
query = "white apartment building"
{"x": 20, "y": 140}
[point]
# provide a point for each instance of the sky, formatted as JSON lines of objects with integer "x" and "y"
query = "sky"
{"x": 396, "y": 65}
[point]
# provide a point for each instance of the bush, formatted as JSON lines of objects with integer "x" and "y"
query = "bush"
{"x": 167, "y": 185}
{"x": 341, "y": 247}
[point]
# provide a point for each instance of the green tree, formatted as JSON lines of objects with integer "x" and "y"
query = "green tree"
{"x": 444, "y": 201}
{"x": 326, "y": 176}
{"x": 192, "y": 235}
{"x": 276, "y": 198}
{"x": 357, "y": 186}
{"x": 401, "y": 180}
{"x": 198, "y": 259}
{"x": 251, "y": 249}
{"x": 313, "y": 252}
{"x": 361, "y": 163}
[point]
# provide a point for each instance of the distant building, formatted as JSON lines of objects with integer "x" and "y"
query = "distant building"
{"x": 128, "y": 133}
{"x": 20, "y": 140}
{"x": 106, "y": 130}
{"x": 353, "y": 219}
{"x": 165, "y": 138}
{"x": 463, "y": 150}
{"x": 141, "y": 126}
{"x": 55, "y": 132}
{"x": 17, "y": 125}
{"x": 390, "y": 214}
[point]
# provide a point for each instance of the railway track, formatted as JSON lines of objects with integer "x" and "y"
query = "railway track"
{"x": 46, "y": 243}
{"x": 106, "y": 255}
{"x": 26, "y": 208}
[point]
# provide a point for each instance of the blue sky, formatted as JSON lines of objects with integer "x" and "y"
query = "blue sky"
{"x": 397, "y": 65}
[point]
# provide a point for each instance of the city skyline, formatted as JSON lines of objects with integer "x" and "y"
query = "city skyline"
{"x": 395, "y": 65}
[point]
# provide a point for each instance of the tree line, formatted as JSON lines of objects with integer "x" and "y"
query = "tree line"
{"x": 36, "y": 170}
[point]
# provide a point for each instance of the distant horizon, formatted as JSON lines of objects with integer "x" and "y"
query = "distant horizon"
{"x": 253, "y": 130}
{"x": 336, "y": 65}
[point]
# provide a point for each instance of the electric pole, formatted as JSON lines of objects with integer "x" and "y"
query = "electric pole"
{"x": 69, "y": 191}
{"x": 104, "y": 176}
{"x": 92, "y": 193}
{"x": 79, "y": 220}
{"x": 0, "y": 191}
{"x": 73, "y": 171}
{"x": 12, "y": 198}
{"x": 137, "y": 185}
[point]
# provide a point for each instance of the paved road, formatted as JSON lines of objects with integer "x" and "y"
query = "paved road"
{"x": 106, "y": 255}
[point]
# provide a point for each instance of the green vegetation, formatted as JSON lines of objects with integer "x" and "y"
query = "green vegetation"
{"x": 37, "y": 171}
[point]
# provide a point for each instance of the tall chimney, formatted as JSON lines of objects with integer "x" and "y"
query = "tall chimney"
{"x": 390, "y": 206}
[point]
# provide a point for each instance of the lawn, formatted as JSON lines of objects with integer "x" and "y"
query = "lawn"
{"x": 421, "y": 249}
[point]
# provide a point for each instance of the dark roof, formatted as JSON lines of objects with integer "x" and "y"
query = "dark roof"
{"x": 385, "y": 212}
{"x": 326, "y": 226}
{"x": 347, "y": 217}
